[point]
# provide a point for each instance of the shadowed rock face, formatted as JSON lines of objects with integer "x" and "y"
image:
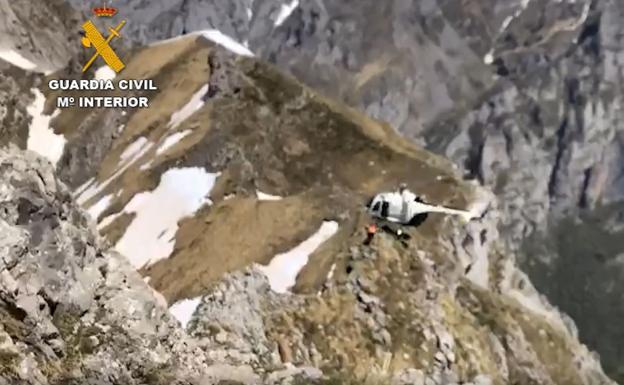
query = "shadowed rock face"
{"x": 153, "y": 21}
{"x": 41, "y": 32}
{"x": 35, "y": 38}
{"x": 15, "y": 98}
{"x": 403, "y": 62}
{"x": 594, "y": 265}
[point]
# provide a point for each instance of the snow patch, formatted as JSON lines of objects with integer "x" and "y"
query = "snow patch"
{"x": 97, "y": 209}
{"x": 134, "y": 152}
{"x": 584, "y": 15}
{"x": 183, "y": 310}
{"x": 133, "y": 149}
{"x": 173, "y": 39}
{"x": 285, "y": 11}
{"x": 506, "y": 23}
{"x": 332, "y": 270}
{"x": 41, "y": 137}
{"x": 580, "y": 21}
{"x": 151, "y": 235}
{"x": 227, "y": 42}
{"x": 189, "y": 108}
{"x": 17, "y": 60}
{"x": 84, "y": 186}
{"x": 283, "y": 270}
{"x": 171, "y": 141}
{"x": 523, "y": 5}
{"x": 215, "y": 36}
{"x": 489, "y": 58}
{"x": 267, "y": 197}
{"x": 105, "y": 73}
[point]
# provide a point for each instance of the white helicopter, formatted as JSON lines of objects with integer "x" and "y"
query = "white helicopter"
{"x": 406, "y": 208}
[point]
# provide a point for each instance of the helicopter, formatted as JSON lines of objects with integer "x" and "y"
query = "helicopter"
{"x": 406, "y": 208}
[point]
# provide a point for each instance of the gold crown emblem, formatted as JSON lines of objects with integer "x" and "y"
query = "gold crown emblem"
{"x": 104, "y": 11}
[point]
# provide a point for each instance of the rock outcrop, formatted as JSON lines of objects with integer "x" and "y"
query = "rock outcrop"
{"x": 15, "y": 100}
{"x": 153, "y": 22}
{"x": 71, "y": 312}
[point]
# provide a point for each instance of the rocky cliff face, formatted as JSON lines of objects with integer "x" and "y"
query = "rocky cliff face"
{"x": 151, "y": 22}
{"x": 40, "y": 36}
{"x": 15, "y": 85}
{"x": 70, "y": 311}
{"x": 34, "y": 39}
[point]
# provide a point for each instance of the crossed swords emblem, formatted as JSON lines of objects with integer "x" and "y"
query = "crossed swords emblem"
{"x": 93, "y": 38}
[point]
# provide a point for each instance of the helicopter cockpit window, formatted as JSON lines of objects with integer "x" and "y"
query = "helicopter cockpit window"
{"x": 384, "y": 209}
{"x": 376, "y": 207}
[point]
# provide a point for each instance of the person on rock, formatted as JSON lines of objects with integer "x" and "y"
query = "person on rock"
{"x": 371, "y": 230}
